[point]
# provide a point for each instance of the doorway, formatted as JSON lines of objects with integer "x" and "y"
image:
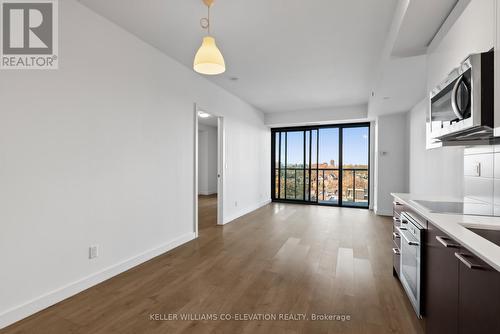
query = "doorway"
{"x": 325, "y": 165}
{"x": 209, "y": 162}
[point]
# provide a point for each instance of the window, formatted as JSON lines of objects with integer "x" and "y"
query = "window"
{"x": 326, "y": 165}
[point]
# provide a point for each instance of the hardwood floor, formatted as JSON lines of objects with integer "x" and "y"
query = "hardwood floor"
{"x": 207, "y": 211}
{"x": 281, "y": 259}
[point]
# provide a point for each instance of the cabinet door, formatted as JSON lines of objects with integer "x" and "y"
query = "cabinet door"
{"x": 396, "y": 238}
{"x": 440, "y": 283}
{"x": 398, "y": 207}
{"x": 479, "y": 296}
{"x": 396, "y": 261}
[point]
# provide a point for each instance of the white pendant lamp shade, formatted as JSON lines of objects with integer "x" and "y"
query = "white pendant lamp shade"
{"x": 209, "y": 59}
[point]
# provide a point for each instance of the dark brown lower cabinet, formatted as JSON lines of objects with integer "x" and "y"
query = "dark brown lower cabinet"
{"x": 478, "y": 296}
{"x": 440, "y": 283}
{"x": 462, "y": 293}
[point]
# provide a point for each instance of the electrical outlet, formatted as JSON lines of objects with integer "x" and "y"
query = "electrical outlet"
{"x": 236, "y": 203}
{"x": 93, "y": 251}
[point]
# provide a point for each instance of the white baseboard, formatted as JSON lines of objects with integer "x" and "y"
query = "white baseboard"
{"x": 206, "y": 193}
{"x": 245, "y": 211}
{"x": 381, "y": 212}
{"x": 22, "y": 311}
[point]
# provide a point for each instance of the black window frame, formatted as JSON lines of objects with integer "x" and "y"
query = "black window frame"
{"x": 340, "y": 170}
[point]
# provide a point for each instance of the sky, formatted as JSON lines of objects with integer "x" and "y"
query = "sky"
{"x": 355, "y": 146}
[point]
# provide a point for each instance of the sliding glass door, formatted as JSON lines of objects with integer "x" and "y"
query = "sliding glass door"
{"x": 294, "y": 154}
{"x": 355, "y": 172}
{"x": 326, "y": 165}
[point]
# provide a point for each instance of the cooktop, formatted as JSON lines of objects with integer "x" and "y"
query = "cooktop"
{"x": 467, "y": 207}
{"x": 442, "y": 207}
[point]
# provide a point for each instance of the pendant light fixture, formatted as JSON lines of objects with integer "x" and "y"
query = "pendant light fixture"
{"x": 208, "y": 59}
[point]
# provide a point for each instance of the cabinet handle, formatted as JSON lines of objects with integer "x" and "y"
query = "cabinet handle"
{"x": 396, "y": 220}
{"x": 469, "y": 265}
{"x": 408, "y": 241}
{"x": 397, "y": 203}
{"x": 396, "y": 251}
{"x": 442, "y": 241}
{"x": 395, "y": 235}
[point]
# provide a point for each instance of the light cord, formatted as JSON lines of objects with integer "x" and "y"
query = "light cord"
{"x": 208, "y": 28}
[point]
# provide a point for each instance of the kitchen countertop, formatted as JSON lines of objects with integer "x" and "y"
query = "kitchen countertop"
{"x": 455, "y": 225}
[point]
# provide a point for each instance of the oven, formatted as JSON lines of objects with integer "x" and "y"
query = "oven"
{"x": 411, "y": 234}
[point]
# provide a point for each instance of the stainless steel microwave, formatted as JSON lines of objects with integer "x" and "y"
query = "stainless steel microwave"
{"x": 462, "y": 107}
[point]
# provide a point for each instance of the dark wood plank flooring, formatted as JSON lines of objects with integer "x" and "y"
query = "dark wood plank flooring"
{"x": 280, "y": 259}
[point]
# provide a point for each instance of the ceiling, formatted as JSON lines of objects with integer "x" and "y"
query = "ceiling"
{"x": 291, "y": 55}
{"x": 422, "y": 21}
{"x": 401, "y": 81}
{"x": 287, "y": 54}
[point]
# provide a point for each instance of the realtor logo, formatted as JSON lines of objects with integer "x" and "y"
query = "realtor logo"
{"x": 29, "y": 34}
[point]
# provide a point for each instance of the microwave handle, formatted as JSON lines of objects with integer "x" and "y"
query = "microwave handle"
{"x": 454, "y": 98}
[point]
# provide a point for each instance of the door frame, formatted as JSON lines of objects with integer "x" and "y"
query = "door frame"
{"x": 221, "y": 162}
{"x": 340, "y": 126}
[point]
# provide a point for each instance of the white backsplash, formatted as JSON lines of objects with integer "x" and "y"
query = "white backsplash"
{"x": 482, "y": 177}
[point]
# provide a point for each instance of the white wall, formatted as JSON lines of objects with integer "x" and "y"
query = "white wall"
{"x": 207, "y": 160}
{"x": 391, "y": 160}
{"x": 482, "y": 183}
{"x": 436, "y": 172}
{"x": 470, "y": 29}
{"x": 101, "y": 151}
{"x": 322, "y": 115}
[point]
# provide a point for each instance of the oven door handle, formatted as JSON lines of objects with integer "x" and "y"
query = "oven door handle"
{"x": 454, "y": 98}
{"x": 408, "y": 241}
